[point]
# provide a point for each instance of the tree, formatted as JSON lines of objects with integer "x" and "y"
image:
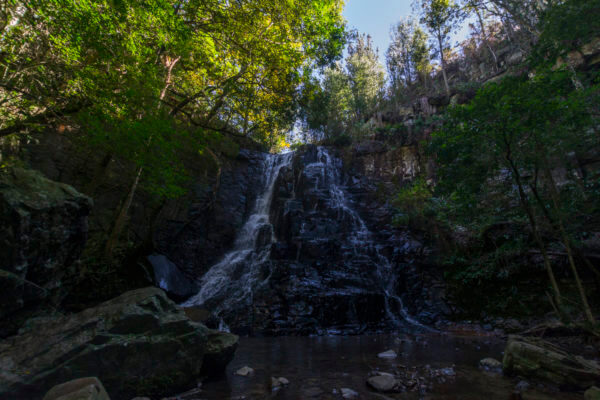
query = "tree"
{"x": 439, "y": 16}
{"x": 474, "y": 7}
{"x": 408, "y": 55}
{"x": 366, "y": 77}
{"x": 194, "y": 66}
{"x": 328, "y": 104}
{"x": 519, "y": 128}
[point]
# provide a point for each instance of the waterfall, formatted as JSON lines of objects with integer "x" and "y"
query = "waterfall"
{"x": 362, "y": 241}
{"x": 230, "y": 283}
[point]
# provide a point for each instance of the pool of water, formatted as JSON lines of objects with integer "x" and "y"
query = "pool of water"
{"x": 318, "y": 367}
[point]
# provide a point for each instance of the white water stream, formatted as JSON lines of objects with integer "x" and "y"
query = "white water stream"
{"x": 360, "y": 237}
{"x": 231, "y": 282}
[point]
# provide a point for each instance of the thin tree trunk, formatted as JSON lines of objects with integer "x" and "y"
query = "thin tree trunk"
{"x": 485, "y": 38}
{"x": 443, "y": 60}
{"x": 532, "y": 222}
{"x": 565, "y": 239}
{"x": 122, "y": 216}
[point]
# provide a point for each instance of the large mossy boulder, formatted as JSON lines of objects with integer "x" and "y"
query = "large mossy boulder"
{"x": 43, "y": 229}
{"x": 538, "y": 359}
{"x": 138, "y": 343}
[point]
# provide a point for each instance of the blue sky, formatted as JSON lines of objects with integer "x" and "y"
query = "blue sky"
{"x": 375, "y": 17}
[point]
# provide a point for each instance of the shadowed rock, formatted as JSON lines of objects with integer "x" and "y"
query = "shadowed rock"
{"x": 536, "y": 358}
{"x": 138, "y": 343}
{"x": 43, "y": 228}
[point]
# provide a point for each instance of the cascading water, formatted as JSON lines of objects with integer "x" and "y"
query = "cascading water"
{"x": 327, "y": 172}
{"x": 305, "y": 260}
{"x": 230, "y": 283}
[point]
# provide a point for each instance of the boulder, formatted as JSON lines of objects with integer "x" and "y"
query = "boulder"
{"x": 138, "y": 343}
{"x": 592, "y": 393}
{"x": 536, "y": 358}
{"x": 43, "y": 229}
{"x": 78, "y": 389}
{"x": 591, "y": 48}
{"x": 170, "y": 278}
{"x": 220, "y": 349}
{"x": 515, "y": 58}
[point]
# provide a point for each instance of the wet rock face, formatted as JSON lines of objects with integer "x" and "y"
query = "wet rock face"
{"x": 336, "y": 252}
{"x": 43, "y": 228}
{"x": 323, "y": 256}
{"x": 138, "y": 343}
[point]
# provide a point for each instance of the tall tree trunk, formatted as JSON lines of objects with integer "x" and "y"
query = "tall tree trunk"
{"x": 565, "y": 239}
{"x": 536, "y": 235}
{"x": 485, "y": 37}
{"x": 443, "y": 60}
{"x": 122, "y": 216}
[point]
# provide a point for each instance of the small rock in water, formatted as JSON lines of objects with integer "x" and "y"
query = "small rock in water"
{"x": 244, "y": 371}
{"x": 385, "y": 383}
{"x": 522, "y": 386}
{"x": 490, "y": 364}
{"x": 349, "y": 393}
{"x": 388, "y": 354}
{"x": 449, "y": 371}
{"x": 283, "y": 381}
{"x": 277, "y": 383}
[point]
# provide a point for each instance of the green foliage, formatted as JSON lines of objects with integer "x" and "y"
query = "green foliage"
{"x": 147, "y": 78}
{"x": 413, "y": 199}
{"x": 504, "y": 140}
{"x": 366, "y": 77}
{"x": 565, "y": 27}
{"x": 346, "y": 98}
{"x": 408, "y": 54}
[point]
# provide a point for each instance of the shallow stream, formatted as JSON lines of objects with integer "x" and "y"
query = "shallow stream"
{"x": 319, "y": 367}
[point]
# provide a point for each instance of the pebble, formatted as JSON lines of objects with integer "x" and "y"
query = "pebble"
{"x": 522, "y": 386}
{"x": 277, "y": 383}
{"x": 388, "y": 354}
{"x": 385, "y": 383}
{"x": 349, "y": 393}
{"x": 283, "y": 381}
{"x": 490, "y": 364}
{"x": 244, "y": 371}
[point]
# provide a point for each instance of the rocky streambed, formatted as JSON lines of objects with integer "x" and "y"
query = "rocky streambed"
{"x": 425, "y": 366}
